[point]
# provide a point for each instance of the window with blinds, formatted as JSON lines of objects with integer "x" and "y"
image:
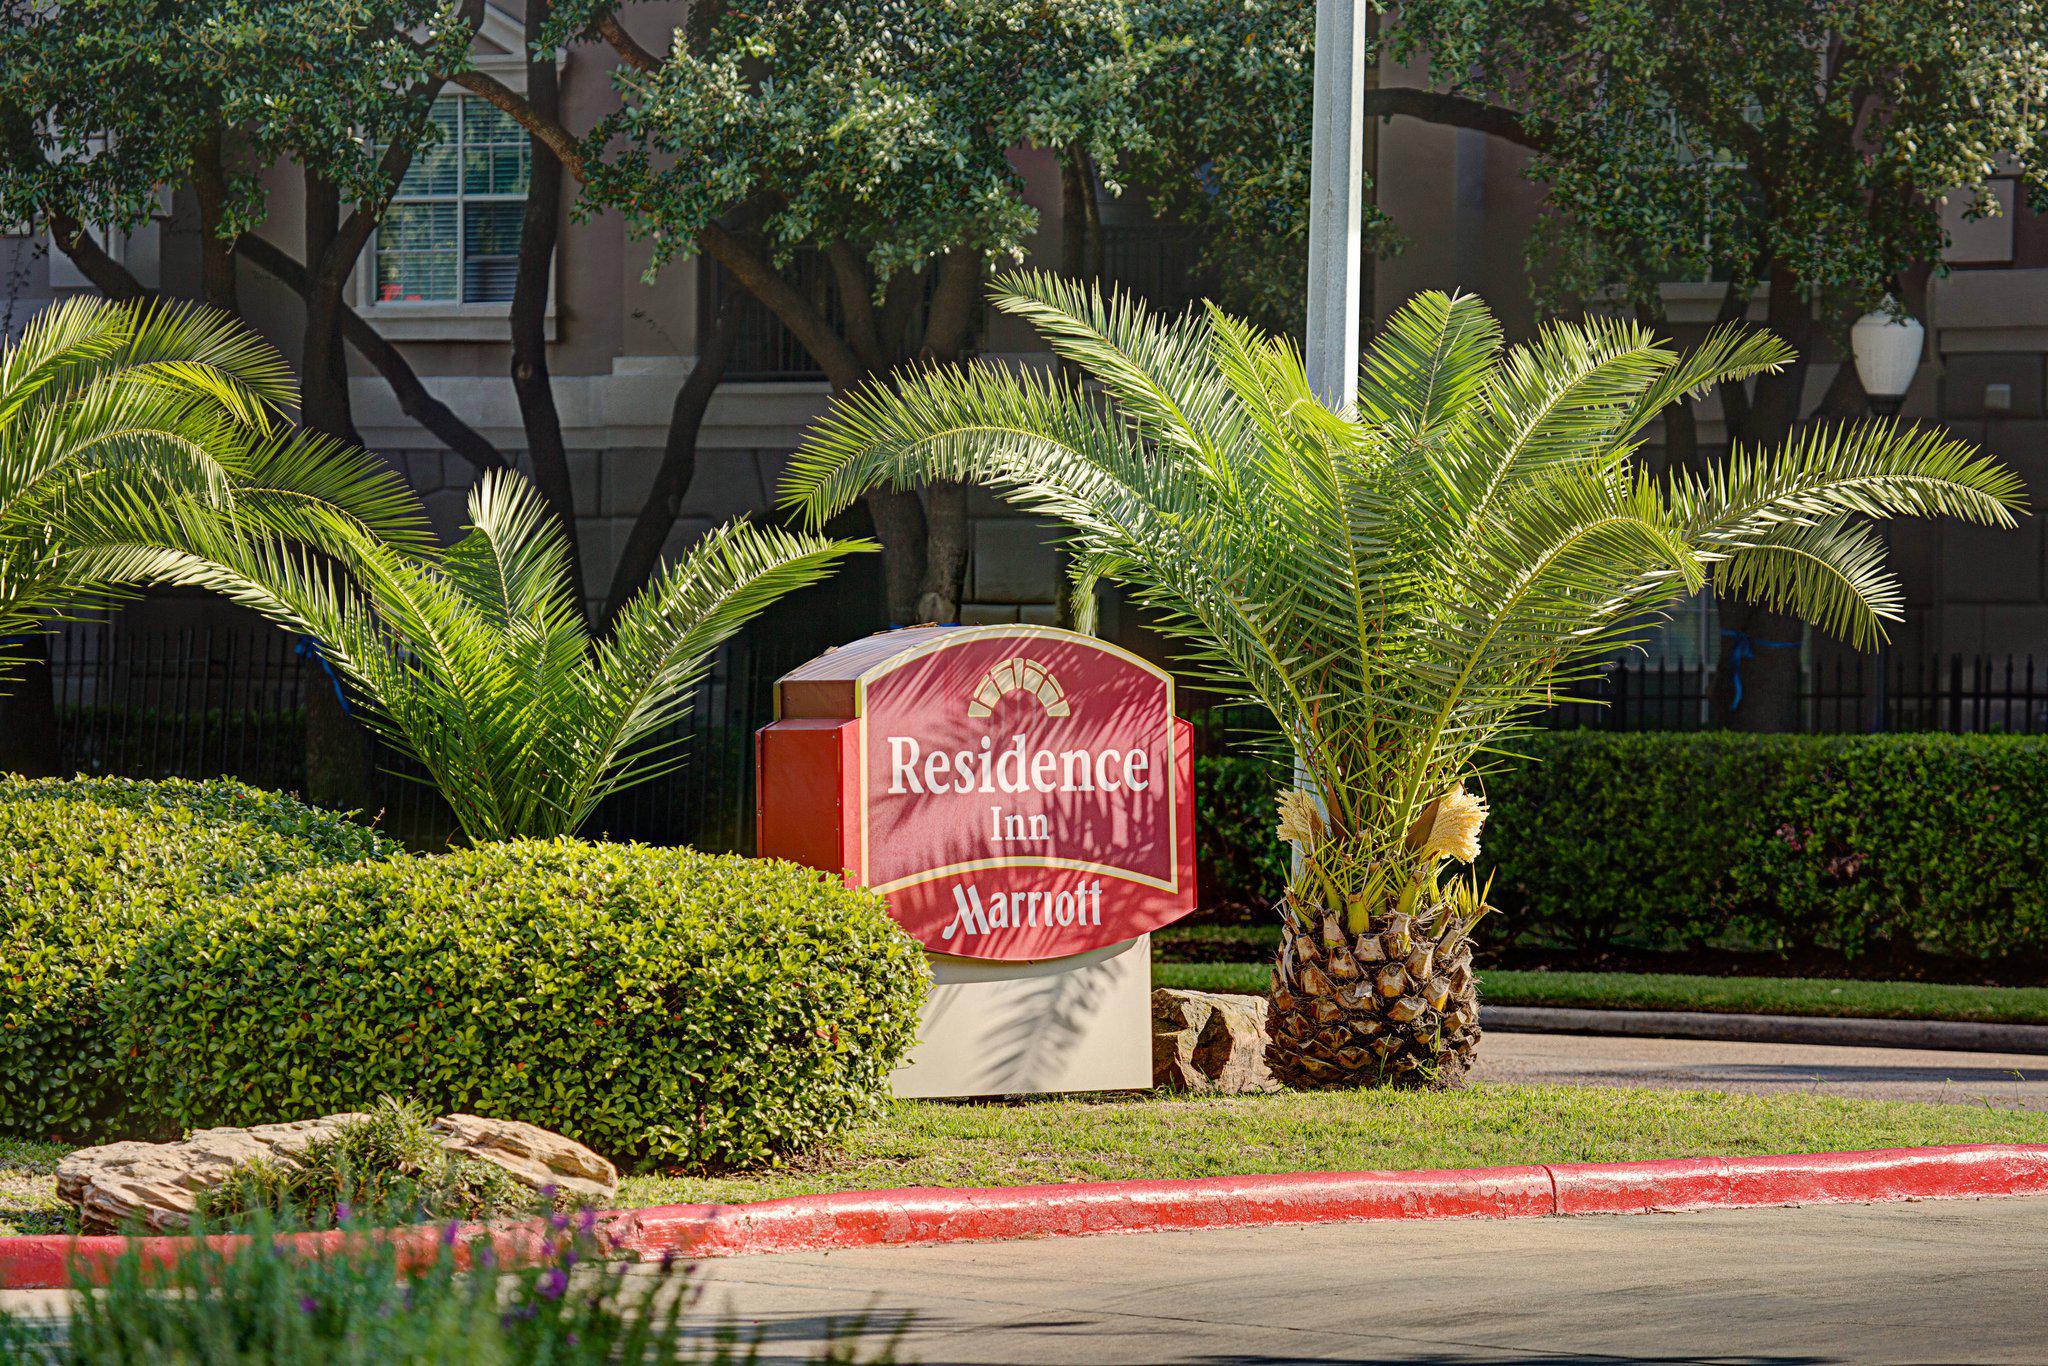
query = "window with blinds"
{"x": 451, "y": 234}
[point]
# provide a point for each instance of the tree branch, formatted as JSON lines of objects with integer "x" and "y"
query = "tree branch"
{"x": 1451, "y": 111}
{"x": 108, "y": 276}
{"x": 809, "y": 326}
{"x": 559, "y": 140}
{"x": 626, "y": 45}
{"x": 385, "y": 358}
{"x": 362, "y": 220}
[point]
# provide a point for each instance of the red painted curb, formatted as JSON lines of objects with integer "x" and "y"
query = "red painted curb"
{"x": 1950, "y": 1173}
{"x": 811, "y": 1223}
{"x": 44, "y": 1262}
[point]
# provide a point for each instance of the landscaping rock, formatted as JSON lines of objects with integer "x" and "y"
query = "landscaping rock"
{"x": 160, "y": 1183}
{"x": 1209, "y": 1041}
{"x": 531, "y": 1154}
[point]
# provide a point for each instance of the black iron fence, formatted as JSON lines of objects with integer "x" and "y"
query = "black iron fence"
{"x": 208, "y": 702}
{"x": 1956, "y": 693}
{"x": 192, "y": 703}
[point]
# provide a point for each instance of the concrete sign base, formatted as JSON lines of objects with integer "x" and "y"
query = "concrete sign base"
{"x": 992, "y": 1028}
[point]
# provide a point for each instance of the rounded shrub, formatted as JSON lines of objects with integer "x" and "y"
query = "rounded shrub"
{"x": 660, "y": 1005}
{"x": 90, "y": 867}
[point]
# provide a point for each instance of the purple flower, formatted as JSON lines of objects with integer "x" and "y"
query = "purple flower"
{"x": 668, "y": 1260}
{"x": 342, "y": 1212}
{"x": 586, "y": 1221}
{"x": 554, "y": 1283}
{"x": 550, "y": 1191}
{"x": 450, "y": 1234}
{"x": 558, "y": 1221}
{"x": 308, "y": 1305}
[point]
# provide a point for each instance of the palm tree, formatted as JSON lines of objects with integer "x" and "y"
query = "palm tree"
{"x": 1400, "y": 587}
{"x": 475, "y": 661}
{"x": 108, "y": 408}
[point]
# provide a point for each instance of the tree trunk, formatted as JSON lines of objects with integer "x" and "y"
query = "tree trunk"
{"x": 338, "y": 763}
{"x": 323, "y": 381}
{"x": 340, "y": 773}
{"x": 1389, "y": 1007}
{"x": 28, "y": 709}
{"x": 898, "y": 515}
{"x": 945, "y": 553}
{"x": 642, "y": 552}
{"x": 1080, "y": 218}
{"x": 1756, "y": 685}
{"x": 217, "y": 285}
{"x": 1369, "y": 189}
{"x": 539, "y": 232}
{"x": 949, "y": 323}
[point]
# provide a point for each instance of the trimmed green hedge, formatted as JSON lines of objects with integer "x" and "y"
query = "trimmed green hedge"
{"x": 1878, "y": 844}
{"x": 660, "y": 1005}
{"x": 1240, "y": 863}
{"x": 88, "y": 868}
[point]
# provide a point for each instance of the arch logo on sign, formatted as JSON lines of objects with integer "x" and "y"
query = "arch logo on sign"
{"x": 1015, "y": 792}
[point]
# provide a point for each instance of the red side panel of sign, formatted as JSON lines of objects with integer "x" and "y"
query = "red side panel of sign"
{"x": 803, "y": 800}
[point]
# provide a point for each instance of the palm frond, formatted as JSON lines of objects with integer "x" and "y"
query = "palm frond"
{"x": 1829, "y": 572}
{"x": 1400, "y": 588}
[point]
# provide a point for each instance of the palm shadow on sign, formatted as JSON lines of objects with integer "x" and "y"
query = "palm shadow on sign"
{"x": 1037, "y": 1028}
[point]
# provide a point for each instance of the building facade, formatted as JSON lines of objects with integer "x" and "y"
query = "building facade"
{"x": 437, "y": 280}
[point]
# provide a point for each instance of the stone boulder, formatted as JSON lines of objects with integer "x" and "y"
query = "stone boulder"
{"x": 533, "y": 1155}
{"x": 161, "y": 1182}
{"x": 1209, "y": 1041}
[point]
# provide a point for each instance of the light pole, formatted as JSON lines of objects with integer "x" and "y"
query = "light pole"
{"x": 1336, "y": 215}
{"x": 1336, "y": 221}
{"x": 1886, "y": 343}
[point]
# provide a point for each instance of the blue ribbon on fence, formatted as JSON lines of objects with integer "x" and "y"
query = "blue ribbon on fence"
{"x": 1745, "y": 649}
{"x": 309, "y": 648}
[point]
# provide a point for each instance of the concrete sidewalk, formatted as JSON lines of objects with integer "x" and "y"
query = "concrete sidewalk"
{"x": 1935, "y": 1282}
{"x": 2006, "y": 1081}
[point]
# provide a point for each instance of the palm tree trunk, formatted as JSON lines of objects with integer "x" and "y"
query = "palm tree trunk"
{"x": 1390, "y": 1007}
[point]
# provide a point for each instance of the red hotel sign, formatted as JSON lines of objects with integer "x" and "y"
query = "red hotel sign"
{"x": 1015, "y": 791}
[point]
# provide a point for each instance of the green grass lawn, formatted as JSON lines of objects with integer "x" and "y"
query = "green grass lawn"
{"x": 935, "y": 1144}
{"x": 931, "y": 1143}
{"x": 28, "y": 1188}
{"x": 1674, "y": 991}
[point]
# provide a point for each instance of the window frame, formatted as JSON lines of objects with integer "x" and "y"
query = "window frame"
{"x": 450, "y": 320}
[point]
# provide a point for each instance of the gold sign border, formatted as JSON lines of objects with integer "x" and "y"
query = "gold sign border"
{"x": 962, "y": 635}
